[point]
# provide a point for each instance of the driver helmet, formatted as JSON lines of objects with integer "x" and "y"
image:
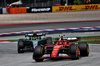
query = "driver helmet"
{"x": 62, "y": 37}
{"x": 35, "y": 37}
{"x": 34, "y": 33}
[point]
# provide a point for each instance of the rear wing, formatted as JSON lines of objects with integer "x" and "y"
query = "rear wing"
{"x": 73, "y": 39}
{"x": 37, "y": 34}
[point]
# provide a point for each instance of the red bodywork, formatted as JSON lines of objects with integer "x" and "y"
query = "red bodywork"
{"x": 56, "y": 47}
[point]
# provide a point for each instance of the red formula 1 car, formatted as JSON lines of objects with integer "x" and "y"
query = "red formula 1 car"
{"x": 61, "y": 48}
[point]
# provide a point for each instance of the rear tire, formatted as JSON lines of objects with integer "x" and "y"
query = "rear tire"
{"x": 38, "y": 52}
{"x": 84, "y": 48}
{"x": 75, "y": 51}
{"x": 20, "y": 46}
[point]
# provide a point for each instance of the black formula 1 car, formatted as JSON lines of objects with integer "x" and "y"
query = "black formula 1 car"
{"x": 31, "y": 41}
{"x": 61, "y": 48}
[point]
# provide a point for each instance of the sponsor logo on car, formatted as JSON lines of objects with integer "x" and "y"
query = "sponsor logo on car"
{"x": 55, "y": 49}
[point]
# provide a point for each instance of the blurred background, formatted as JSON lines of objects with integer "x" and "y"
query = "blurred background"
{"x": 46, "y": 3}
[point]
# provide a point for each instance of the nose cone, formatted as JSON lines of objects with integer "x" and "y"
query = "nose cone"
{"x": 55, "y": 50}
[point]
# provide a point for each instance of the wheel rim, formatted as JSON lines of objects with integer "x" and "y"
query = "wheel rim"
{"x": 87, "y": 49}
{"x": 41, "y": 50}
{"x": 78, "y": 52}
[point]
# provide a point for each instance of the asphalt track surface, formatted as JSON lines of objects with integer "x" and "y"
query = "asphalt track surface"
{"x": 10, "y": 57}
{"x": 15, "y": 28}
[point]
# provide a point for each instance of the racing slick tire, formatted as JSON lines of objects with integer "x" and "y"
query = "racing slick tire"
{"x": 84, "y": 48}
{"x": 20, "y": 46}
{"x": 49, "y": 40}
{"x": 75, "y": 51}
{"x": 38, "y": 52}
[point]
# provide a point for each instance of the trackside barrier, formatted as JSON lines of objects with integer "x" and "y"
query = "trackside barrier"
{"x": 80, "y": 29}
{"x": 0, "y": 10}
{"x": 75, "y": 8}
{"x": 4, "y": 11}
{"x": 39, "y": 9}
{"x": 18, "y": 10}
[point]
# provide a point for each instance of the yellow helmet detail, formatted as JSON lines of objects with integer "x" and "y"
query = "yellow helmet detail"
{"x": 61, "y": 35}
{"x": 34, "y": 31}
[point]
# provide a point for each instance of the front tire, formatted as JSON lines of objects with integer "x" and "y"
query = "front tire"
{"x": 75, "y": 51}
{"x": 38, "y": 52}
{"x": 20, "y": 46}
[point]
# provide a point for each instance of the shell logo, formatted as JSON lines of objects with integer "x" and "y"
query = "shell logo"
{"x": 55, "y": 49}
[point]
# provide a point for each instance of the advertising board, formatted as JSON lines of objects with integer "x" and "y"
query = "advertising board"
{"x": 76, "y": 8}
{"x": 0, "y": 10}
{"x": 17, "y": 10}
{"x": 39, "y": 9}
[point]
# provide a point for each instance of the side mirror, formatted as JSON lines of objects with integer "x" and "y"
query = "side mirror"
{"x": 26, "y": 35}
{"x": 44, "y": 34}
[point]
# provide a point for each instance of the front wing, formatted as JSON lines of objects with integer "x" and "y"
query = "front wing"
{"x": 59, "y": 56}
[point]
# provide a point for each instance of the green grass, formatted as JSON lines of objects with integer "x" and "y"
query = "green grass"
{"x": 92, "y": 40}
